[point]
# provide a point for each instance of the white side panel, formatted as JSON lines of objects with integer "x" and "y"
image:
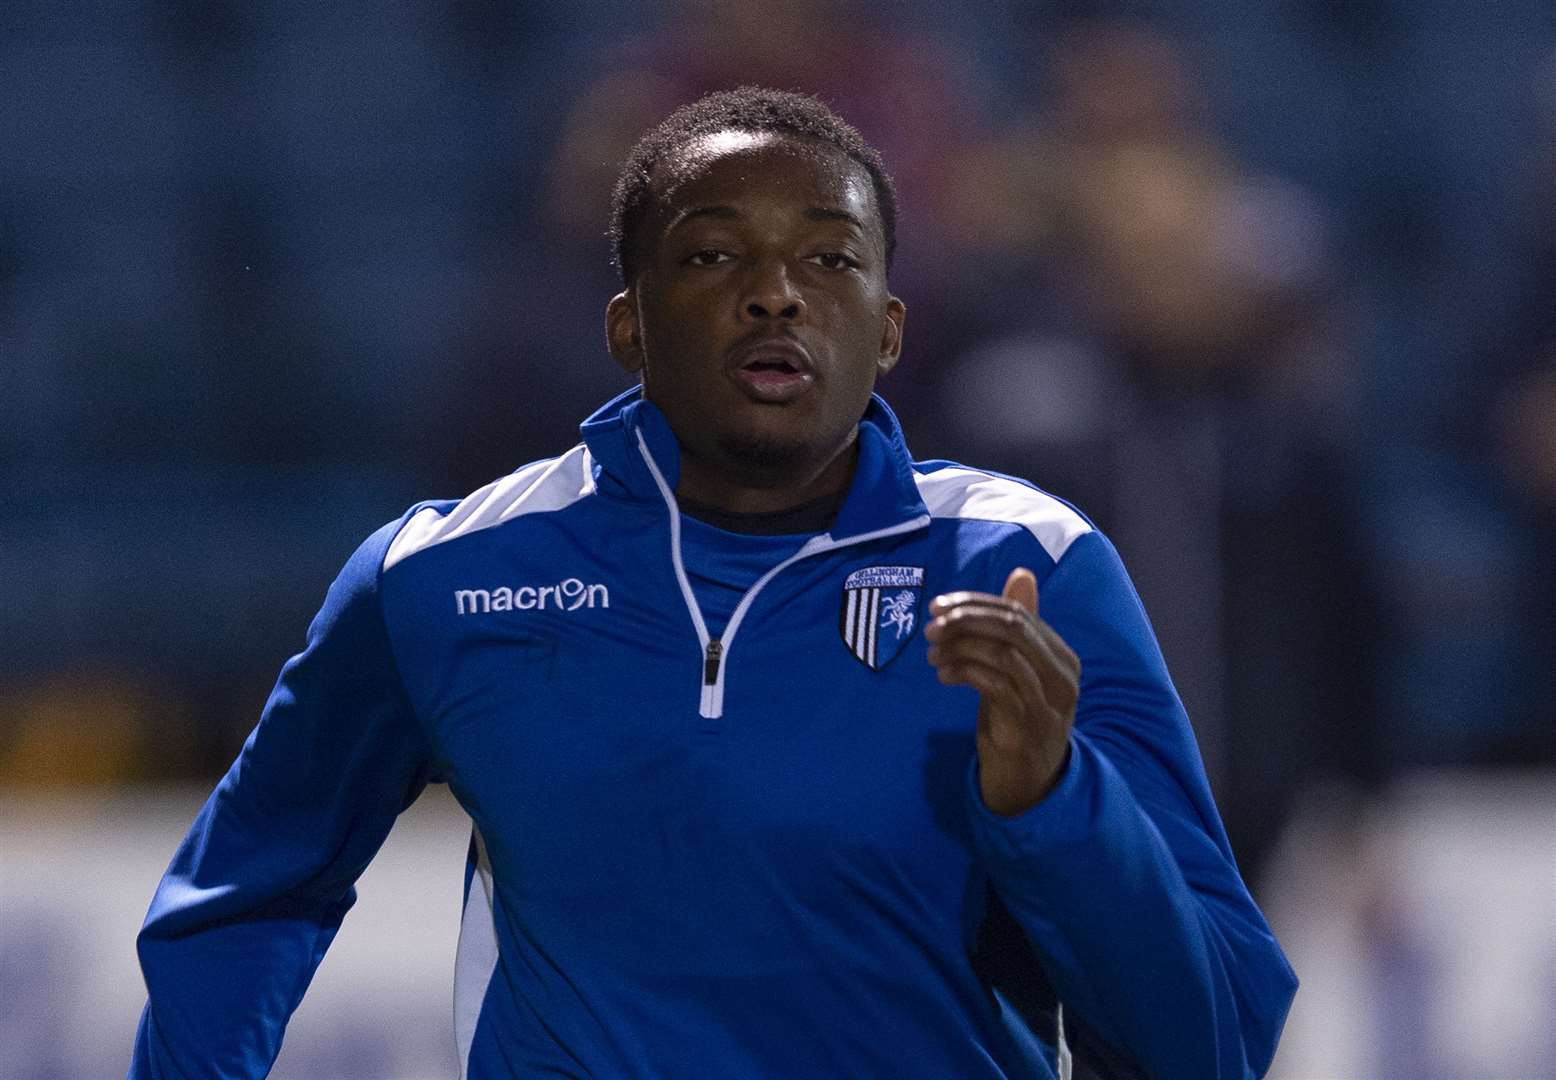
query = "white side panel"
{"x": 534, "y": 489}
{"x": 476, "y": 957}
{"x": 968, "y": 493}
{"x": 1062, "y": 1056}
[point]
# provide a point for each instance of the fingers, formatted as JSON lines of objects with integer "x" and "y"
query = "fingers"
{"x": 948, "y": 608}
{"x": 971, "y": 627}
{"x": 994, "y": 629}
{"x": 946, "y": 601}
{"x": 1020, "y": 589}
{"x": 993, "y": 670}
{"x": 1027, "y": 680}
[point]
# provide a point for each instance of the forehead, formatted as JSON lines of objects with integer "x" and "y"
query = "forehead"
{"x": 729, "y": 167}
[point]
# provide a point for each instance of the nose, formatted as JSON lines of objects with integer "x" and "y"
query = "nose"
{"x": 770, "y": 294}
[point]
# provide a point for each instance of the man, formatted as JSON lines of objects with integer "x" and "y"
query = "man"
{"x": 743, "y": 796}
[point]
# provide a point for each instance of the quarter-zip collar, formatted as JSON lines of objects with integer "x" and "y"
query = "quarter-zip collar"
{"x": 881, "y": 494}
{"x": 637, "y": 457}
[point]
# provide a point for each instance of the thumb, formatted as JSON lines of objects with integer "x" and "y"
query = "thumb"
{"x": 1021, "y": 586}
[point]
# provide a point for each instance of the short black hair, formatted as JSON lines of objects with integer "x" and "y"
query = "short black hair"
{"x": 749, "y": 108}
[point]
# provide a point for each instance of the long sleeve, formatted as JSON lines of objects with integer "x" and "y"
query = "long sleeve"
{"x": 259, "y": 886}
{"x": 1122, "y": 878}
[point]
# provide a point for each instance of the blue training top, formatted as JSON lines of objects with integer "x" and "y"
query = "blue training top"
{"x": 742, "y": 845}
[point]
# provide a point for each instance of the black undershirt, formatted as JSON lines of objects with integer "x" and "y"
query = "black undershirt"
{"x": 814, "y": 516}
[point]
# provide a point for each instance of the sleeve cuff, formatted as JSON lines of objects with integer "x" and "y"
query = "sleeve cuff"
{"x": 1061, "y": 818}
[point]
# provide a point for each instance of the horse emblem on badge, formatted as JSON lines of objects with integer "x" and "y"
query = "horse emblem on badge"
{"x": 880, "y": 611}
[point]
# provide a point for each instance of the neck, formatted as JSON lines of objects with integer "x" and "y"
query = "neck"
{"x": 754, "y": 491}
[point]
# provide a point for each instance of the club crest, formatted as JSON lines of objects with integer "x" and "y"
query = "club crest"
{"x": 880, "y": 611}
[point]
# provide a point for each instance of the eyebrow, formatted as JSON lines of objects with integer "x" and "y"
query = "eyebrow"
{"x": 822, "y": 213}
{"x": 814, "y": 213}
{"x": 699, "y": 212}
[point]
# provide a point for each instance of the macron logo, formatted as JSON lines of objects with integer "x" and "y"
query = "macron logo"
{"x": 569, "y": 595}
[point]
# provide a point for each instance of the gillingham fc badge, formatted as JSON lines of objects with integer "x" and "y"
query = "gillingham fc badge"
{"x": 880, "y": 611}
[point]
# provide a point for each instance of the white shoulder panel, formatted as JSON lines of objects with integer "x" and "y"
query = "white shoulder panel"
{"x": 967, "y": 493}
{"x": 534, "y": 489}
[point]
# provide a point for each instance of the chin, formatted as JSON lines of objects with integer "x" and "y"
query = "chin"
{"x": 766, "y": 456}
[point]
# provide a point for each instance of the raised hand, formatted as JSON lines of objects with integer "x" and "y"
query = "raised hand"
{"x": 1027, "y": 680}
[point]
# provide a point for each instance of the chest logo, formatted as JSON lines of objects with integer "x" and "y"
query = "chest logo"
{"x": 879, "y": 612}
{"x": 568, "y": 595}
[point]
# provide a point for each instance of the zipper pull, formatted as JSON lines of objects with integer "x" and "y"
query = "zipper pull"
{"x": 710, "y": 667}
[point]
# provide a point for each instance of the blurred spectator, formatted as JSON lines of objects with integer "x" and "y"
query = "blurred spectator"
{"x": 1528, "y": 432}
{"x": 1465, "y": 526}
{"x": 1187, "y": 394}
{"x": 1515, "y": 423}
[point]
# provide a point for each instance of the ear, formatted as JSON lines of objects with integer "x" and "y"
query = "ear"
{"x": 891, "y": 336}
{"x": 621, "y": 331}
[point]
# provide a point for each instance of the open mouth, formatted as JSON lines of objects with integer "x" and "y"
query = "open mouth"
{"x": 774, "y": 374}
{"x": 779, "y": 367}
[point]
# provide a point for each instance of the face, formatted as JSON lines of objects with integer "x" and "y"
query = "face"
{"x": 760, "y": 317}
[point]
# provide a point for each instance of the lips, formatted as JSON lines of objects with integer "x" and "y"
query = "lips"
{"x": 772, "y": 370}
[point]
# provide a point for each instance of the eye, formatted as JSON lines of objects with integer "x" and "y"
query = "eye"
{"x": 835, "y": 260}
{"x": 708, "y": 257}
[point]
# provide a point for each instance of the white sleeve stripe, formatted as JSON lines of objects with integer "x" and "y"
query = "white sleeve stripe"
{"x": 970, "y": 494}
{"x": 545, "y": 485}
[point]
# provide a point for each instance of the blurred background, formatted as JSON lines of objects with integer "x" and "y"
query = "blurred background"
{"x": 1268, "y": 290}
